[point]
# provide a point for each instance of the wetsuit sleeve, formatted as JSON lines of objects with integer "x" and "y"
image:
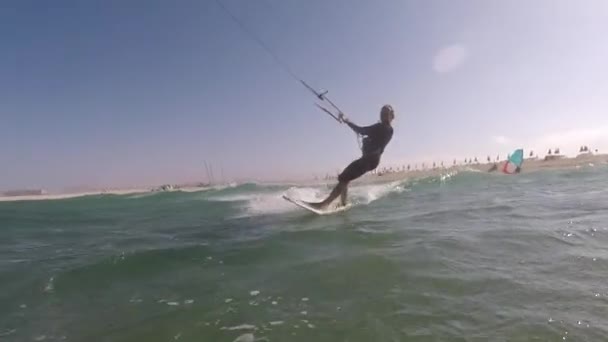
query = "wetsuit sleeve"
{"x": 358, "y": 129}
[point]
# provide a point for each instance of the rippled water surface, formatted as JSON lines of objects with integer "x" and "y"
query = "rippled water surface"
{"x": 471, "y": 257}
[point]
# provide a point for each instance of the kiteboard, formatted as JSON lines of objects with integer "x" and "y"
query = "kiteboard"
{"x": 331, "y": 209}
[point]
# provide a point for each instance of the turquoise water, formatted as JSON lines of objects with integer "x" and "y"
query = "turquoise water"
{"x": 471, "y": 257}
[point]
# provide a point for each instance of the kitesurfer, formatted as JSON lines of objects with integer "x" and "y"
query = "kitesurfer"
{"x": 376, "y": 137}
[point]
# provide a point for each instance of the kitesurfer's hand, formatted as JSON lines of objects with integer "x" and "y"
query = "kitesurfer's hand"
{"x": 343, "y": 118}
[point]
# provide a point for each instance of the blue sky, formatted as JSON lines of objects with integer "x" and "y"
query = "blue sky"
{"x": 114, "y": 93}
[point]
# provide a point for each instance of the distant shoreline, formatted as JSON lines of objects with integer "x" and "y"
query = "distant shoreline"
{"x": 530, "y": 165}
{"x": 96, "y": 193}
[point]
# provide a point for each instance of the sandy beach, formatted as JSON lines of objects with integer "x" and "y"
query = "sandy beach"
{"x": 133, "y": 191}
{"x": 530, "y": 165}
{"x": 72, "y": 195}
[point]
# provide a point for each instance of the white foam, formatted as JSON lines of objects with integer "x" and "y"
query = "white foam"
{"x": 245, "y": 338}
{"x": 268, "y": 204}
{"x": 240, "y": 327}
{"x": 258, "y": 203}
{"x": 225, "y": 186}
{"x": 50, "y": 286}
{"x": 234, "y": 198}
{"x": 273, "y": 203}
{"x": 305, "y": 194}
{"x": 141, "y": 195}
{"x": 446, "y": 176}
{"x": 366, "y": 194}
{"x": 8, "y": 332}
{"x": 71, "y": 195}
{"x": 471, "y": 169}
{"x": 264, "y": 203}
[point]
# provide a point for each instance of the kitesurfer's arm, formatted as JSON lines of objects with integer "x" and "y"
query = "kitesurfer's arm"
{"x": 357, "y": 129}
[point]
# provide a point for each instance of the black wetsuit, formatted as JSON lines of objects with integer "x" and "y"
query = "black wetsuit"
{"x": 376, "y": 137}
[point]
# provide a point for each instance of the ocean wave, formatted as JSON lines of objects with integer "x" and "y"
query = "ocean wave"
{"x": 273, "y": 203}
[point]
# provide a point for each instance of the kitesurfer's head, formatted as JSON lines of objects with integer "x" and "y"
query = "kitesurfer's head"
{"x": 387, "y": 114}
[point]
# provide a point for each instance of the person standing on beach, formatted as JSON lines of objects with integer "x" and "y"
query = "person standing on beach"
{"x": 376, "y": 137}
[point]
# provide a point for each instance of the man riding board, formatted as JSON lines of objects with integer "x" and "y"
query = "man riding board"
{"x": 375, "y": 139}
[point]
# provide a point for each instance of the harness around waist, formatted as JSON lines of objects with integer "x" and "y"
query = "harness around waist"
{"x": 370, "y": 148}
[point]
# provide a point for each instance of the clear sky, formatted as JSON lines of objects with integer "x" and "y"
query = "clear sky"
{"x": 117, "y": 93}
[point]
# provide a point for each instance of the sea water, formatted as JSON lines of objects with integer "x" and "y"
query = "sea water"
{"x": 462, "y": 257}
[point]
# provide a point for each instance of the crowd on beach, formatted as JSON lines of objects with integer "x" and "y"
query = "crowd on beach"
{"x": 552, "y": 159}
{"x": 475, "y": 162}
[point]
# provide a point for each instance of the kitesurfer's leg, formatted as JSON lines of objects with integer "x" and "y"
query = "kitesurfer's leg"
{"x": 337, "y": 191}
{"x": 353, "y": 171}
{"x": 344, "y": 195}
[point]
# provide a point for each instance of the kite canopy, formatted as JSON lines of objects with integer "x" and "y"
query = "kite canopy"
{"x": 513, "y": 164}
